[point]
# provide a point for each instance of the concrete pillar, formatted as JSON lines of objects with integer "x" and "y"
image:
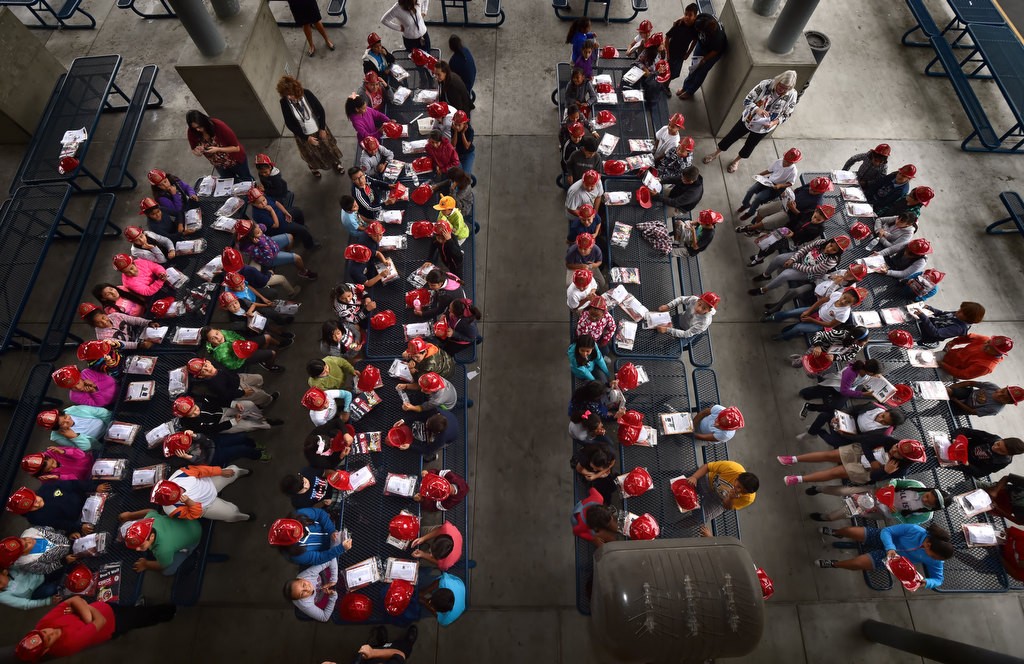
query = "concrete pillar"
{"x": 765, "y": 7}
{"x": 200, "y": 26}
{"x": 790, "y": 25}
{"x": 747, "y": 62}
{"x": 26, "y": 79}
{"x": 238, "y": 85}
{"x": 225, "y": 8}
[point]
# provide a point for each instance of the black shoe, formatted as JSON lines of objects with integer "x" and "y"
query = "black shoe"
{"x": 275, "y": 396}
{"x": 428, "y": 459}
{"x": 275, "y": 421}
{"x": 272, "y": 368}
{"x": 812, "y": 491}
{"x": 762, "y": 277}
{"x": 754, "y": 260}
{"x": 755, "y": 291}
{"x": 768, "y": 318}
{"x": 378, "y": 636}
{"x": 742, "y": 208}
{"x": 252, "y": 517}
{"x": 818, "y": 516}
{"x": 284, "y": 344}
{"x": 289, "y": 335}
{"x": 803, "y": 411}
{"x": 308, "y": 274}
{"x": 411, "y": 634}
{"x": 746, "y": 215}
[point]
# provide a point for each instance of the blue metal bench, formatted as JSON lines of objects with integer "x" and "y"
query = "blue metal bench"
{"x": 335, "y": 8}
{"x": 117, "y": 168}
{"x": 188, "y": 581}
{"x": 925, "y": 23}
{"x": 983, "y": 130}
{"x": 61, "y": 11}
{"x": 492, "y": 9}
{"x": 1015, "y": 208}
{"x": 561, "y": 8}
{"x": 130, "y": 4}
{"x": 705, "y": 394}
{"x": 65, "y": 311}
{"x": 23, "y": 423}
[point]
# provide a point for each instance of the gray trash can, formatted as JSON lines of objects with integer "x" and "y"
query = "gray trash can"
{"x": 819, "y": 43}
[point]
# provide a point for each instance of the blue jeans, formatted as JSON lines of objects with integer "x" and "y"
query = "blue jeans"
{"x": 796, "y": 329}
{"x": 697, "y": 75}
{"x": 238, "y": 171}
{"x": 283, "y": 257}
{"x": 758, "y": 195}
{"x": 466, "y": 161}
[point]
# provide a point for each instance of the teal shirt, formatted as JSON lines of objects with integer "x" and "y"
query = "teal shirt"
{"x": 91, "y": 423}
{"x": 18, "y": 594}
{"x": 458, "y": 588}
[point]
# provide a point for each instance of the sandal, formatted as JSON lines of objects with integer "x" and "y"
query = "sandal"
{"x": 311, "y": 52}
{"x": 708, "y": 158}
{"x": 316, "y": 174}
{"x": 733, "y": 166}
{"x": 330, "y": 46}
{"x": 339, "y": 168}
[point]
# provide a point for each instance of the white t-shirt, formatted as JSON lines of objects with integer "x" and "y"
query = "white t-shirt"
{"x": 666, "y": 142}
{"x": 576, "y": 297}
{"x": 829, "y": 312}
{"x": 866, "y": 421}
{"x": 577, "y": 195}
{"x": 779, "y": 173}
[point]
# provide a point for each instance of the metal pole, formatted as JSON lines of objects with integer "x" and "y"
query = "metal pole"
{"x": 790, "y": 25}
{"x": 931, "y": 647}
{"x": 200, "y": 26}
{"x": 225, "y": 8}
{"x": 765, "y": 7}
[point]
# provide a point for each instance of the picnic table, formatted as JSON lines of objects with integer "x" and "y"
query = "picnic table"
{"x": 562, "y": 10}
{"x": 61, "y": 11}
{"x": 78, "y": 100}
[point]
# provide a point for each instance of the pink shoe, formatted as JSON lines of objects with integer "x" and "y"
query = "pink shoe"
{"x": 792, "y": 480}
{"x": 786, "y": 460}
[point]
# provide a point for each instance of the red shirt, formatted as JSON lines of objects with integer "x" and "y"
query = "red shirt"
{"x": 971, "y": 360}
{"x": 446, "y": 563}
{"x": 76, "y": 635}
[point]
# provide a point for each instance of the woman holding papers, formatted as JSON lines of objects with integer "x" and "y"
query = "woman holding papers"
{"x": 767, "y": 106}
{"x": 928, "y": 548}
{"x": 864, "y": 423}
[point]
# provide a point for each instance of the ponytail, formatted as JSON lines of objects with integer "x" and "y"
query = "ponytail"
{"x": 940, "y": 541}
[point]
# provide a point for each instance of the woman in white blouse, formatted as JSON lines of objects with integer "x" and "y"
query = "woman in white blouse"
{"x": 406, "y": 16}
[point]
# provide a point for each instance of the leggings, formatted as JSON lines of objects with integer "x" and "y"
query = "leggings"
{"x": 738, "y": 131}
{"x": 127, "y": 618}
{"x": 260, "y": 356}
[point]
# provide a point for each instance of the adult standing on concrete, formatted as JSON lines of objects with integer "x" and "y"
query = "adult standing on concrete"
{"x": 305, "y": 118}
{"x": 307, "y": 14}
{"x": 211, "y": 138}
{"x": 710, "y": 43}
{"x": 462, "y": 62}
{"x": 406, "y": 16}
{"x": 767, "y": 106}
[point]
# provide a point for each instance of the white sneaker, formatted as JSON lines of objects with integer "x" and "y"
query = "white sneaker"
{"x": 805, "y": 437}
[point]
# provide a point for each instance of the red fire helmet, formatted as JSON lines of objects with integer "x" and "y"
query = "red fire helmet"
{"x": 47, "y": 419}
{"x": 180, "y": 441}
{"x": 421, "y": 295}
{"x": 858, "y": 230}
{"x": 767, "y": 587}
{"x": 422, "y": 229}
{"x": 400, "y": 436}
{"x": 231, "y": 259}
{"x": 392, "y": 129}
{"x": 32, "y": 464}
{"x": 901, "y": 338}
{"x": 644, "y": 527}
{"x": 156, "y": 176}
{"x": 66, "y": 377}
{"x": 912, "y": 450}
{"x": 355, "y": 607}
{"x": 815, "y": 364}
{"x": 339, "y": 479}
{"x": 358, "y": 253}
{"x": 430, "y": 382}
{"x": 398, "y": 596}
{"x": 368, "y": 379}
{"x": 627, "y": 375}
{"x": 183, "y": 406}
{"x": 423, "y": 164}
{"x": 138, "y": 533}
{"x": 166, "y": 493}
{"x": 903, "y": 394}
{"x": 709, "y": 217}
{"x": 886, "y": 495}
{"x": 244, "y": 348}
{"x": 629, "y": 434}
{"x": 614, "y": 167}
{"x": 383, "y": 320}
{"x": 435, "y": 487}
{"x": 78, "y": 579}
{"x": 792, "y": 156}
{"x": 685, "y": 495}
{"x": 643, "y": 197}
{"x": 633, "y": 418}
{"x": 90, "y": 351}
{"x": 11, "y": 549}
{"x": 421, "y": 194}
{"x": 21, "y": 501}
{"x": 404, "y": 527}
{"x": 285, "y": 532}
{"x": 314, "y": 399}
{"x": 637, "y": 482}
{"x": 730, "y": 419}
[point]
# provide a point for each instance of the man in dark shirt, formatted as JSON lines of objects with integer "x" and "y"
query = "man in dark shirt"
{"x": 987, "y": 453}
{"x": 583, "y": 160}
{"x": 949, "y": 324}
{"x": 710, "y": 44}
{"x": 686, "y": 195}
{"x": 679, "y": 37}
{"x": 462, "y": 62}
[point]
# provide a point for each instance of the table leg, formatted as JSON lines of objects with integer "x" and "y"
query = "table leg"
{"x": 107, "y": 106}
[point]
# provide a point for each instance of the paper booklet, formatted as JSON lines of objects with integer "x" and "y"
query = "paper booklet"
{"x": 764, "y": 181}
{"x": 844, "y": 177}
{"x": 399, "y": 485}
{"x": 396, "y": 568}
{"x": 940, "y": 443}
{"x": 362, "y": 478}
{"x": 109, "y": 469}
{"x": 424, "y": 125}
{"x": 641, "y": 376}
{"x": 414, "y": 147}
{"x": 607, "y": 144}
{"x": 391, "y": 173}
{"x": 974, "y": 502}
{"x": 617, "y": 197}
{"x": 177, "y": 382}
{"x": 609, "y": 98}
{"x": 641, "y": 145}
{"x": 602, "y": 78}
{"x": 93, "y": 508}
{"x": 853, "y": 194}
{"x": 187, "y": 336}
{"x": 625, "y": 275}
{"x": 108, "y": 583}
{"x": 632, "y": 95}
{"x": 652, "y": 182}
{"x": 122, "y": 433}
{"x": 222, "y": 187}
{"x": 655, "y": 318}
{"x": 616, "y": 295}
{"x": 648, "y": 437}
{"x": 391, "y": 216}
{"x": 419, "y": 277}
{"x": 140, "y": 365}
{"x": 625, "y": 335}
{"x": 860, "y": 210}
{"x": 416, "y": 330}
{"x": 399, "y": 95}
{"x": 633, "y": 75}
{"x": 845, "y": 423}
{"x": 400, "y": 370}
{"x": 230, "y": 207}
{"x": 148, "y": 476}
{"x": 399, "y": 72}
{"x": 637, "y": 161}
{"x": 286, "y": 307}
{"x": 224, "y": 224}
{"x": 980, "y": 534}
{"x": 206, "y": 185}
{"x": 240, "y": 188}
{"x": 893, "y": 316}
{"x": 425, "y": 96}
{"x": 140, "y": 390}
{"x": 880, "y": 387}
{"x": 675, "y": 423}
{"x": 89, "y": 546}
{"x": 869, "y": 319}
{"x": 767, "y": 240}
{"x": 189, "y": 247}
{"x": 393, "y": 242}
{"x": 921, "y": 358}
{"x": 632, "y": 308}
{"x": 873, "y": 263}
{"x": 363, "y": 404}
{"x": 257, "y": 321}
{"x": 367, "y": 442}
{"x": 363, "y": 574}
{"x": 387, "y": 271}
{"x": 155, "y": 436}
{"x": 931, "y": 389}
{"x": 620, "y": 234}
{"x": 155, "y": 334}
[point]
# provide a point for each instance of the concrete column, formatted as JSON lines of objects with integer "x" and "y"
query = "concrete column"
{"x": 238, "y": 85}
{"x": 225, "y": 8}
{"x": 26, "y": 79}
{"x": 747, "y": 62}
{"x": 200, "y": 26}
{"x": 765, "y": 7}
{"x": 790, "y": 25}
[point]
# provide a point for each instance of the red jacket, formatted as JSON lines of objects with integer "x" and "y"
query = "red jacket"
{"x": 969, "y": 361}
{"x": 444, "y": 155}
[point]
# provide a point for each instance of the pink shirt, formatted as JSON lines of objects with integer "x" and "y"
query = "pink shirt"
{"x": 448, "y": 561}
{"x": 106, "y": 390}
{"x": 123, "y": 304}
{"x": 147, "y": 281}
{"x": 73, "y": 464}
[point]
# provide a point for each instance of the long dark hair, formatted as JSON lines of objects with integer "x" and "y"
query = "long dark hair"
{"x": 579, "y": 25}
{"x": 353, "y": 104}
{"x": 97, "y": 292}
{"x": 460, "y": 307}
{"x": 327, "y": 331}
{"x": 585, "y": 341}
{"x": 939, "y": 539}
{"x": 201, "y": 119}
{"x": 867, "y": 366}
{"x": 173, "y": 179}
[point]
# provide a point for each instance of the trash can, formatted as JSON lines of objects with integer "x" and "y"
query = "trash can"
{"x": 819, "y": 43}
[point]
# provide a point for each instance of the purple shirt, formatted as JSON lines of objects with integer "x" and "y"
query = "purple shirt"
{"x": 367, "y": 123}
{"x": 106, "y": 390}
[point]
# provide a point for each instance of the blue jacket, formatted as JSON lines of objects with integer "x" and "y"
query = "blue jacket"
{"x": 908, "y": 540}
{"x": 463, "y": 64}
{"x": 316, "y": 543}
{"x": 943, "y": 325}
{"x": 586, "y": 371}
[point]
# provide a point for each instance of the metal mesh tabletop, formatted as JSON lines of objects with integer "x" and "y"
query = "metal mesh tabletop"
{"x": 657, "y": 284}
{"x": 367, "y": 513}
{"x": 81, "y": 99}
{"x": 1003, "y": 53}
{"x": 671, "y": 457}
{"x": 631, "y": 119}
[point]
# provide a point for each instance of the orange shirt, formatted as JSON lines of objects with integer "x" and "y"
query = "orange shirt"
{"x": 967, "y": 359}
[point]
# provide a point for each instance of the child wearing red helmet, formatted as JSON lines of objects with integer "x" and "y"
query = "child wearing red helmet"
{"x": 780, "y": 175}
{"x": 717, "y": 424}
{"x": 982, "y": 398}
{"x": 926, "y": 547}
{"x": 721, "y": 486}
{"x": 584, "y": 254}
{"x": 440, "y": 393}
{"x": 974, "y": 355}
{"x": 694, "y": 317}
{"x": 441, "y": 491}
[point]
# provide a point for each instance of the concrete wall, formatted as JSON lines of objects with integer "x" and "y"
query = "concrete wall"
{"x": 747, "y": 62}
{"x": 27, "y": 78}
{"x": 237, "y": 86}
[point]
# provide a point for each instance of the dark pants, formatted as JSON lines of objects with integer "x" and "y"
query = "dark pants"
{"x": 238, "y": 171}
{"x": 231, "y": 446}
{"x": 423, "y": 43}
{"x": 50, "y": 585}
{"x": 403, "y": 644}
{"x": 452, "y": 347}
{"x": 261, "y": 355}
{"x": 738, "y": 131}
{"x": 696, "y": 78}
{"x": 606, "y": 486}
{"x": 298, "y": 231}
{"x": 127, "y": 618}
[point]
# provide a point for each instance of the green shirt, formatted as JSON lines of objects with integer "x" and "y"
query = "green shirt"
{"x": 460, "y": 231}
{"x": 172, "y": 535}
{"x": 339, "y": 375}
{"x": 224, "y": 353}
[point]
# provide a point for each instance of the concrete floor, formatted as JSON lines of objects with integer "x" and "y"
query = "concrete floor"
{"x": 868, "y": 90}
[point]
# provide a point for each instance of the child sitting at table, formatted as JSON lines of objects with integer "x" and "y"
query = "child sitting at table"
{"x": 580, "y": 90}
